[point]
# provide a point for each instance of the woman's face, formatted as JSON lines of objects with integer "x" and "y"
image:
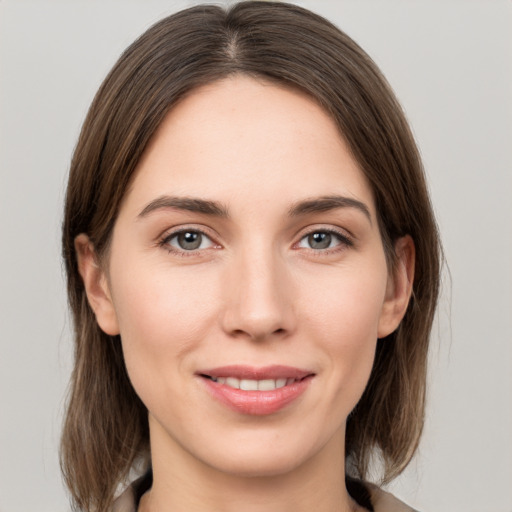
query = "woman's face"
{"x": 247, "y": 253}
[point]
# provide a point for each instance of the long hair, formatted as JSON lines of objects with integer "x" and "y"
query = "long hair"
{"x": 106, "y": 426}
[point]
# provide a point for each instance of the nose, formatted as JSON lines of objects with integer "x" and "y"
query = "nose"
{"x": 258, "y": 297}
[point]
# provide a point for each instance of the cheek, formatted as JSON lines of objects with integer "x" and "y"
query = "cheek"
{"x": 343, "y": 316}
{"x": 346, "y": 303}
{"x": 162, "y": 319}
{"x": 161, "y": 300}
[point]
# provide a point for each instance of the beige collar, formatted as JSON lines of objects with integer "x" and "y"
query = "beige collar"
{"x": 125, "y": 502}
{"x": 382, "y": 501}
{"x": 385, "y": 502}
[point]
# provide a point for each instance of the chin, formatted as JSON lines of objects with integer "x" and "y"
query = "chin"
{"x": 258, "y": 465}
{"x": 261, "y": 454}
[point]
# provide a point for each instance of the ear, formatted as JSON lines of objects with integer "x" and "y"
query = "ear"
{"x": 399, "y": 287}
{"x": 96, "y": 285}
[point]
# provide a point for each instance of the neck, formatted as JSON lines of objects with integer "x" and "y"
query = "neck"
{"x": 182, "y": 483}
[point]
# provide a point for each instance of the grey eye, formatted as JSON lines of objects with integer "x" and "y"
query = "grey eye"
{"x": 189, "y": 241}
{"x": 320, "y": 240}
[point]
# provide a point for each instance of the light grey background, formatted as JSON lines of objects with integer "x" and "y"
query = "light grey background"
{"x": 450, "y": 63}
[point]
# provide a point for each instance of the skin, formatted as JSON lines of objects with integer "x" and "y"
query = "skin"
{"x": 256, "y": 292}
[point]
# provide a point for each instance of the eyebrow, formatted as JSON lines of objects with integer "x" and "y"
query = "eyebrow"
{"x": 214, "y": 208}
{"x": 327, "y": 203}
{"x": 189, "y": 204}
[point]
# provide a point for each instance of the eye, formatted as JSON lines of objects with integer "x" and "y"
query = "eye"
{"x": 323, "y": 239}
{"x": 188, "y": 240}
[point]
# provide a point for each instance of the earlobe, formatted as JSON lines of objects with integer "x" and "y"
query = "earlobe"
{"x": 96, "y": 285}
{"x": 399, "y": 287}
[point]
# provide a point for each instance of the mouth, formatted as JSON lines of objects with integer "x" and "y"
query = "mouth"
{"x": 251, "y": 384}
{"x": 256, "y": 391}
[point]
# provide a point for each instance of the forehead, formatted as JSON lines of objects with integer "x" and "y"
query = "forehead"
{"x": 248, "y": 139}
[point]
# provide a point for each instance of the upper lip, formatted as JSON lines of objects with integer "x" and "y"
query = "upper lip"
{"x": 257, "y": 373}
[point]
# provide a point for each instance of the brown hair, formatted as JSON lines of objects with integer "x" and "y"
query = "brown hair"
{"x": 106, "y": 426}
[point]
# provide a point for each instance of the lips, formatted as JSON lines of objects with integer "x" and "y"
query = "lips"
{"x": 256, "y": 391}
{"x": 253, "y": 385}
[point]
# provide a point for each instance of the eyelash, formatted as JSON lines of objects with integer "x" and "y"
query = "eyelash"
{"x": 344, "y": 242}
{"x": 164, "y": 242}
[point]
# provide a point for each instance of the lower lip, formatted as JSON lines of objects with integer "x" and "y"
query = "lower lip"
{"x": 257, "y": 403}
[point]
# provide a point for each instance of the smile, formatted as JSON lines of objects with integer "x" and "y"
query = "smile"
{"x": 254, "y": 385}
{"x": 256, "y": 391}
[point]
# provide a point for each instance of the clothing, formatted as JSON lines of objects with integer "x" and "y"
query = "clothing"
{"x": 379, "y": 500}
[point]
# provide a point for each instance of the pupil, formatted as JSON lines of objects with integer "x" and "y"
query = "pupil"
{"x": 189, "y": 241}
{"x": 319, "y": 240}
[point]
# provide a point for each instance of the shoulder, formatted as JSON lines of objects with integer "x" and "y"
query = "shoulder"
{"x": 382, "y": 501}
{"x": 125, "y": 502}
{"x": 129, "y": 500}
{"x": 385, "y": 502}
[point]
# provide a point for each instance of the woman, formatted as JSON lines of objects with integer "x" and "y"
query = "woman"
{"x": 251, "y": 284}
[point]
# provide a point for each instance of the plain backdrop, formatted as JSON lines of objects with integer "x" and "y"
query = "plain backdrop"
{"x": 450, "y": 63}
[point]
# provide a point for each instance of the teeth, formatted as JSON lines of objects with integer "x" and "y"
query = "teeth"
{"x": 249, "y": 385}
{"x": 254, "y": 385}
{"x": 233, "y": 382}
{"x": 281, "y": 383}
{"x": 266, "y": 385}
